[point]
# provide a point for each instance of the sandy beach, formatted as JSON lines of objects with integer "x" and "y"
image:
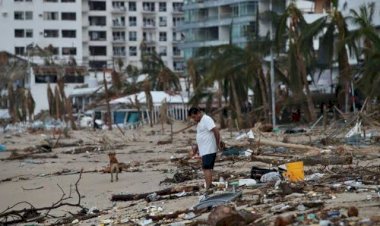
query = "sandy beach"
{"x": 40, "y": 181}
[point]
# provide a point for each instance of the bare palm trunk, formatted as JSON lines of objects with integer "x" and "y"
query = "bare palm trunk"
{"x": 109, "y": 121}
{"x": 221, "y": 116}
{"x": 345, "y": 75}
{"x": 264, "y": 95}
{"x": 311, "y": 116}
{"x": 237, "y": 104}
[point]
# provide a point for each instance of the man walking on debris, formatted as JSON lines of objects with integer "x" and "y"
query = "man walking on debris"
{"x": 208, "y": 142}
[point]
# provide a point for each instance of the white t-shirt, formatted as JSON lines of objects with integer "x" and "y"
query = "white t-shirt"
{"x": 205, "y": 137}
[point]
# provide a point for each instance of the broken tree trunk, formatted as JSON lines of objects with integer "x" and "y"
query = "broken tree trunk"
{"x": 166, "y": 191}
{"x": 287, "y": 145}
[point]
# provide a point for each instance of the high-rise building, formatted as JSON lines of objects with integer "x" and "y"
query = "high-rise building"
{"x": 212, "y": 23}
{"x": 96, "y": 33}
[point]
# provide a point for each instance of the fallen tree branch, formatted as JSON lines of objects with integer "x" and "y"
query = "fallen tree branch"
{"x": 166, "y": 191}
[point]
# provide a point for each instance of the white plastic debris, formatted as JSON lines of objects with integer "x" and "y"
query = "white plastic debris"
{"x": 249, "y": 135}
{"x": 357, "y": 129}
{"x": 248, "y": 152}
{"x": 247, "y": 182}
{"x": 272, "y": 176}
{"x": 314, "y": 177}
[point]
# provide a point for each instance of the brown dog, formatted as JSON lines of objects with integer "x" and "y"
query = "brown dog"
{"x": 114, "y": 165}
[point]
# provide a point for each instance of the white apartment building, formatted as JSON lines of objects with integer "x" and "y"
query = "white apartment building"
{"x": 96, "y": 33}
{"x": 44, "y": 23}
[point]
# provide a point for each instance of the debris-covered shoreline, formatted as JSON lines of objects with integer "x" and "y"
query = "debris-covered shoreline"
{"x": 61, "y": 177}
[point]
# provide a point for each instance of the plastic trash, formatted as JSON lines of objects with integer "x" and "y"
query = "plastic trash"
{"x": 2, "y": 147}
{"x": 271, "y": 176}
{"x": 247, "y": 182}
{"x": 314, "y": 177}
{"x": 249, "y": 135}
{"x": 189, "y": 216}
{"x": 153, "y": 197}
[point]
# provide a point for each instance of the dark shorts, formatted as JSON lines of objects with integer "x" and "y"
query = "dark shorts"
{"x": 208, "y": 161}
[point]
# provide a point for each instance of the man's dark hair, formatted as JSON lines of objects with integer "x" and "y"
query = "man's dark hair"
{"x": 193, "y": 111}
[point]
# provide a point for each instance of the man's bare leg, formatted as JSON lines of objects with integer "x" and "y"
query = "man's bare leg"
{"x": 208, "y": 177}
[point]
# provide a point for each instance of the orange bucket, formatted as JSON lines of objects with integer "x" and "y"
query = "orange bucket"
{"x": 294, "y": 171}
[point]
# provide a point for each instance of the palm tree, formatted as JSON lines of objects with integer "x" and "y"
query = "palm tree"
{"x": 226, "y": 65}
{"x": 364, "y": 20}
{"x": 160, "y": 76}
{"x": 369, "y": 81}
{"x": 296, "y": 35}
{"x": 335, "y": 41}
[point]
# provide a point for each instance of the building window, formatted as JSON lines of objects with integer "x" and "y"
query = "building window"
{"x": 50, "y": 0}
{"x": 98, "y": 50}
{"x": 69, "y": 51}
{"x": 148, "y": 6}
{"x": 177, "y": 21}
{"x": 19, "y": 15}
{"x": 69, "y": 34}
{"x": 133, "y": 51}
{"x": 150, "y": 49}
{"x": 67, "y": 0}
{"x": 68, "y": 16}
{"x": 118, "y": 5}
{"x": 29, "y": 33}
{"x": 149, "y": 37}
{"x": 132, "y": 6}
{"x": 19, "y": 33}
{"x": 118, "y": 51}
{"x": 28, "y": 15}
{"x": 97, "y": 35}
{"x": 97, "y": 20}
{"x": 132, "y": 21}
{"x": 162, "y": 37}
{"x": 177, "y": 7}
{"x": 176, "y": 51}
{"x": 41, "y": 78}
{"x": 19, "y": 50}
{"x": 162, "y": 51}
{"x": 162, "y": 6}
{"x": 132, "y": 36}
{"x": 178, "y": 65}
{"x": 118, "y": 35}
{"x": 163, "y": 21}
{"x": 97, "y": 64}
{"x": 97, "y": 6}
{"x": 51, "y": 33}
{"x": 149, "y": 22}
{"x": 50, "y": 15}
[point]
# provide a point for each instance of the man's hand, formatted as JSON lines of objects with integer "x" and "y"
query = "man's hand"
{"x": 221, "y": 146}
{"x": 194, "y": 150}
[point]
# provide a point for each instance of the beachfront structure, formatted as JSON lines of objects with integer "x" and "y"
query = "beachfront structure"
{"x": 325, "y": 81}
{"x": 43, "y": 76}
{"x": 177, "y": 104}
{"x": 96, "y": 33}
